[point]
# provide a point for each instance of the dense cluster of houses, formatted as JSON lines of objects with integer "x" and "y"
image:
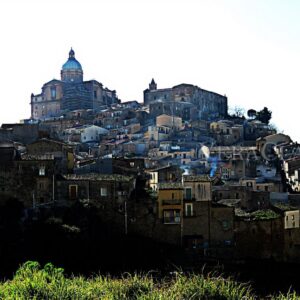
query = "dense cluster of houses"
{"x": 225, "y": 186}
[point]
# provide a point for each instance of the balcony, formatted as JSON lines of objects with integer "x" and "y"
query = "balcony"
{"x": 189, "y": 199}
{"x": 171, "y": 220}
{"x": 171, "y": 202}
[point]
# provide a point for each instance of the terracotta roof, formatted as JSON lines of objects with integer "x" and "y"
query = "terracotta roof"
{"x": 37, "y": 157}
{"x": 98, "y": 177}
{"x": 196, "y": 178}
{"x": 170, "y": 186}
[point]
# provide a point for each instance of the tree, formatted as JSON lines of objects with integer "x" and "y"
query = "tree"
{"x": 237, "y": 112}
{"x": 264, "y": 115}
{"x": 251, "y": 113}
{"x": 273, "y": 127}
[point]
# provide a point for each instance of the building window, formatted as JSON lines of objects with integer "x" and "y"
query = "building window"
{"x": 266, "y": 188}
{"x": 103, "y": 192}
{"x": 95, "y": 94}
{"x": 73, "y": 191}
{"x": 53, "y": 92}
{"x": 172, "y": 216}
{"x": 225, "y": 224}
{"x": 188, "y": 194}
{"x": 188, "y": 209}
{"x": 42, "y": 170}
{"x": 201, "y": 191}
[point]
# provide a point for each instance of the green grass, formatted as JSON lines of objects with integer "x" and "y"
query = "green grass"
{"x": 33, "y": 282}
{"x": 267, "y": 214}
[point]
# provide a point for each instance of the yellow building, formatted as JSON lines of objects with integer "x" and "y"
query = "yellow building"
{"x": 170, "y": 203}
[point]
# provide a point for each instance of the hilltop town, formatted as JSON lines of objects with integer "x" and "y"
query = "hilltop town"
{"x": 177, "y": 168}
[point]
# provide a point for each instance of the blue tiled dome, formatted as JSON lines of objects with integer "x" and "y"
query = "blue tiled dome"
{"x": 72, "y": 63}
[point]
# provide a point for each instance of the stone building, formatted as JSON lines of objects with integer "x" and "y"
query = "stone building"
{"x": 226, "y": 133}
{"x": 22, "y": 133}
{"x": 63, "y": 153}
{"x": 27, "y": 178}
{"x": 112, "y": 189}
{"x": 166, "y": 174}
{"x": 207, "y": 226}
{"x": 70, "y": 93}
{"x": 170, "y": 121}
{"x": 209, "y": 105}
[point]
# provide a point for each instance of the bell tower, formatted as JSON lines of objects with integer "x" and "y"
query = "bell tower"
{"x": 152, "y": 85}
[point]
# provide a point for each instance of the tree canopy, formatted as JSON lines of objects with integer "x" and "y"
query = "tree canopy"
{"x": 264, "y": 115}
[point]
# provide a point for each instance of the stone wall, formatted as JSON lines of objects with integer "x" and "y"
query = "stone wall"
{"x": 261, "y": 239}
{"x": 22, "y": 133}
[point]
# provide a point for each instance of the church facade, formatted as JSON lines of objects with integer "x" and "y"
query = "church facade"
{"x": 185, "y": 98}
{"x": 70, "y": 93}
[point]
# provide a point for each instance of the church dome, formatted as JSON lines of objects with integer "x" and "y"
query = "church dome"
{"x": 72, "y": 71}
{"x": 72, "y": 63}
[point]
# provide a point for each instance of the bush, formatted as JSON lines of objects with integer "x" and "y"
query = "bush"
{"x": 33, "y": 282}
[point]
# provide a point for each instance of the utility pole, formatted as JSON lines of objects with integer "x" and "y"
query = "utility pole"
{"x": 209, "y": 220}
{"x": 33, "y": 200}
{"x": 53, "y": 189}
{"x": 181, "y": 227}
{"x": 126, "y": 216}
{"x": 88, "y": 191}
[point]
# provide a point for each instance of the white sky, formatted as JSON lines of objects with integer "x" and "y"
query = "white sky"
{"x": 246, "y": 49}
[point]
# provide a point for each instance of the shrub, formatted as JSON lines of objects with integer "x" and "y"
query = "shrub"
{"x": 32, "y": 281}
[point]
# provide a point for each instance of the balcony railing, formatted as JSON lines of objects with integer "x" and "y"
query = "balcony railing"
{"x": 187, "y": 199}
{"x": 171, "y": 202}
{"x": 171, "y": 220}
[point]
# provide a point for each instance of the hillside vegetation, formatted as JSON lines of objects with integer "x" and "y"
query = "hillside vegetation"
{"x": 32, "y": 281}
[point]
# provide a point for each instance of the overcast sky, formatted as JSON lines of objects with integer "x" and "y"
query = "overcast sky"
{"x": 246, "y": 49}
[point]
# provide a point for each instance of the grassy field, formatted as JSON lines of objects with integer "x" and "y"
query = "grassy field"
{"x": 32, "y": 281}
